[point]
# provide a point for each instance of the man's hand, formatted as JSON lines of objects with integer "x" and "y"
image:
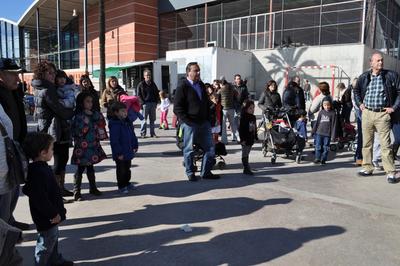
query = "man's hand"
{"x": 56, "y": 219}
{"x": 121, "y": 157}
{"x": 362, "y": 107}
{"x": 389, "y": 110}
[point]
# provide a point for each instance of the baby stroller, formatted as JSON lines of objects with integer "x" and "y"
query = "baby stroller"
{"x": 278, "y": 135}
{"x": 220, "y": 150}
{"x": 348, "y": 138}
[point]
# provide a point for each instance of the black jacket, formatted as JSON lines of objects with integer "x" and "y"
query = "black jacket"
{"x": 269, "y": 100}
{"x": 148, "y": 93}
{"x": 45, "y": 200}
{"x": 14, "y": 107}
{"x": 248, "y": 128}
{"x": 48, "y": 107}
{"x": 391, "y": 82}
{"x": 242, "y": 94}
{"x": 293, "y": 96}
{"x": 187, "y": 105}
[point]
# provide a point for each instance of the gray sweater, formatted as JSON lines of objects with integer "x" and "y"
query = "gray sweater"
{"x": 325, "y": 124}
{"x": 6, "y": 122}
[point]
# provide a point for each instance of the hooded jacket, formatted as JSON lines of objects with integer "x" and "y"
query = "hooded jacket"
{"x": 48, "y": 107}
{"x": 122, "y": 138}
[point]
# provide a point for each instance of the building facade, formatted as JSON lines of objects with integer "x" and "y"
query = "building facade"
{"x": 9, "y": 39}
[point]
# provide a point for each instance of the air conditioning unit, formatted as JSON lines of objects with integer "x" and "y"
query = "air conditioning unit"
{"x": 211, "y": 44}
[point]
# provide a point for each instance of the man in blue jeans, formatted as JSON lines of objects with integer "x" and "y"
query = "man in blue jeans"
{"x": 192, "y": 107}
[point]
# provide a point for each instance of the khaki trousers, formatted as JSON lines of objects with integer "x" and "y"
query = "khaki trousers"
{"x": 377, "y": 122}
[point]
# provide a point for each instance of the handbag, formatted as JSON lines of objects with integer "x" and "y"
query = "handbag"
{"x": 16, "y": 160}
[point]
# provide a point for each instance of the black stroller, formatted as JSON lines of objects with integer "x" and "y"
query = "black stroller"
{"x": 220, "y": 150}
{"x": 279, "y": 136}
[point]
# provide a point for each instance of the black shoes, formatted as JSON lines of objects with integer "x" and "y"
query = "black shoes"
{"x": 66, "y": 193}
{"x": 317, "y": 161}
{"x": 211, "y": 176}
{"x": 95, "y": 192}
{"x": 247, "y": 171}
{"x": 66, "y": 263}
{"x": 323, "y": 162}
{"x": 21, "y": 226}
{"x": 192, "y": 178}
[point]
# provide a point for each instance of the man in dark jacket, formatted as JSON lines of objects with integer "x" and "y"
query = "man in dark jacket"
{"x": 12, "y": 103}
{"x": 293, "y": 98}
{"x": 149, "y": 96}
{"x": 192, "y": 107}
{"x": 377, "y": 94}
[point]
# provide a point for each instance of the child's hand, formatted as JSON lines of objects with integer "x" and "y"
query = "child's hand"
{"x": 56, "y": 220}
{"x": 121, "y": 157}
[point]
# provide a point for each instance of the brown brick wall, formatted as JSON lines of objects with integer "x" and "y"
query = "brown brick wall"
{"x": 131, "y": 32}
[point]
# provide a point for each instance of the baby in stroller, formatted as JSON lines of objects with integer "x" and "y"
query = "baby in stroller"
{"x": 280, "y": 137}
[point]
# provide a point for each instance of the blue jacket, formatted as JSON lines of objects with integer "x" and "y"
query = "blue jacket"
{"x": 122, "y": 138}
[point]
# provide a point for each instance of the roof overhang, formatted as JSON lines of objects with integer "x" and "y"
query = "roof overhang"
{"x": 48, "y": 12}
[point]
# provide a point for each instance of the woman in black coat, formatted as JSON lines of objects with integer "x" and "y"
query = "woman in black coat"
{"x": 270, "y": 98}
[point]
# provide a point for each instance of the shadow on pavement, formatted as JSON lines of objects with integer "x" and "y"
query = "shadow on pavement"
{"x": 248, "y": 247}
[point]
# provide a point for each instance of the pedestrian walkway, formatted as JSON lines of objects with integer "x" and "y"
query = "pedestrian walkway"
{"x": 287, "y": 214}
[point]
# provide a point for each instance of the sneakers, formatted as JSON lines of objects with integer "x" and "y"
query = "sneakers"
{"x": 364, "y": 173}
{"x": 377, "y": 167}
{"x": 123, "y": 190}
{"x": 391, "y": 179}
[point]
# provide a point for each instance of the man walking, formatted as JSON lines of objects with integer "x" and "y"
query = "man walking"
{"x": 149, "y": 96}
{"x": 377, "y": 94}
{"x": 192, "y": 107}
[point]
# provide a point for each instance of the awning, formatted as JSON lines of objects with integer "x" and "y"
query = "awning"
{"x": 116, "y": 70}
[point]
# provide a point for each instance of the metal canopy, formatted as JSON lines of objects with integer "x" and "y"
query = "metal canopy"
{"x": 48, "y": 13}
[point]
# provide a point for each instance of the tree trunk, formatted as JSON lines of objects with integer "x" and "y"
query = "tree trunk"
{"x": 102, "y": 46}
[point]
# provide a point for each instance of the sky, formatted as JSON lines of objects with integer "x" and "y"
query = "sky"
{"x": 13, "y": 10}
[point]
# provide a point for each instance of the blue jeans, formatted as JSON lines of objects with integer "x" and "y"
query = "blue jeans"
{"x": 46, "y": 250}
{"x": 322, "y": 145}
{"x": 149, "y": 111}
{"x": 199, "y": 135}
{"x": 358, "y": 154}
{"x": 396, "y": 133}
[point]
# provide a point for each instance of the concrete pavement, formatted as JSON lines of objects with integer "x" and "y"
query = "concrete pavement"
{"x": 287, "y": 214}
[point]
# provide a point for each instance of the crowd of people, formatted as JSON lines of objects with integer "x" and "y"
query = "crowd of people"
{"x": 75, "y": 115}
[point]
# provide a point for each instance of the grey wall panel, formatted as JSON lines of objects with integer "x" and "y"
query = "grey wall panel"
{"x": 165, "y": 6}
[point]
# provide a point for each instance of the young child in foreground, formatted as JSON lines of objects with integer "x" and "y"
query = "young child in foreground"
{"x": 324, "y": 131}
{"x": 124, "y": 144}
{"x": 45, "y": 200}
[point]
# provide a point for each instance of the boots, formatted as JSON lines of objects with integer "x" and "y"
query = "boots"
{"x": 77, "y": 187}
{"x": 65, "y": 192}
{"x": 246, "y": 166}
{"x": 92, "y": 184}
{"x": 60, "y": 184}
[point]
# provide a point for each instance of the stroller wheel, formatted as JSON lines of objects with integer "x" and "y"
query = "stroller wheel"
{"x": 221, "y": 165}
{"x": 273, "y": 159}
{"x": 340, "y": 146}
{"x": 333, "y": 147}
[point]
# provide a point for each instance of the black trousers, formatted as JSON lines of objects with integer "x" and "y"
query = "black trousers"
{"x": 81, "y": 169}
{"x": 123, "y": 173}
{"x": 61, "y": 156}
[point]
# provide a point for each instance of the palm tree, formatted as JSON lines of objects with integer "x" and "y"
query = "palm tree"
{"x": 102, "y": 44}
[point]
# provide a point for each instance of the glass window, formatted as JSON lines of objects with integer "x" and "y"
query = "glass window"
{"x": 236, "y": 8}
{"x": 213, "y": 12}
{"x": 228, "y": 34}
{"x": 200, "y": 15}
{"x": 301, "y": 18}
{"x": 259, "y": 6}
{"x": 200, "y": 33}
{"x": 277, "y": 38}
{"x": 167, "y": 21}
{"x": 16, "y": 42}
{"x": 290, "y": 4}
{"x": 342, "y": 7}
{"x": 3, "y": 39}
{"x": 301, "y": 37}
{"x": 347, "y": 33}
{"x": 277, "y": 5}
{"x": 278, "y": 21}
{"x": 186, "y": 17}
{"x": 243, "y": 34}
{"x": 236, "y": 36}
{"x": 10, "y": 40}
{"x": 341, "y": 17}
{"x": 261, "y": 32}
{"x": 252, "y": 33}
